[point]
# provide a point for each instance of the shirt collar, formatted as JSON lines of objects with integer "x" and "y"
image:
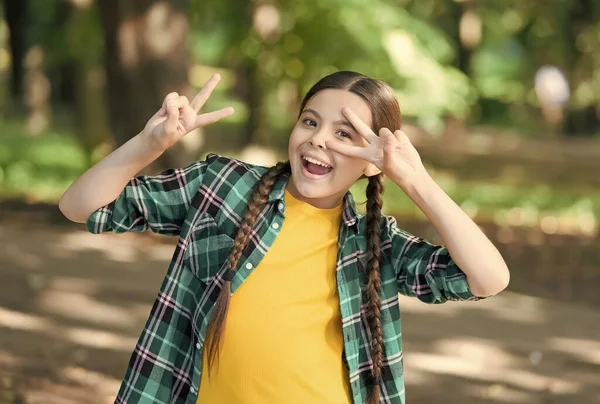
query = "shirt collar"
{"x": 349, "y": 215}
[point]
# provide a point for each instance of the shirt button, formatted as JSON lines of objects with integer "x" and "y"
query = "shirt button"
{"x": 198, "y": 346}
{"x": 281, "y": 206}
{"x": 248, "y": 266}
{"x": 192, "y": 390}
{"x": 275, "y": 225}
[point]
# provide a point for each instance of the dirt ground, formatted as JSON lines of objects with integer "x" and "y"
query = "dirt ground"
{"x": 72, "y": 305}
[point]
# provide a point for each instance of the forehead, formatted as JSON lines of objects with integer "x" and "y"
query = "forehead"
{"x": 329, "y": 103}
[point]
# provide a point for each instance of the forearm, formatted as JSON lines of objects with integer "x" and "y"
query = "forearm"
{"x": 103, "y": 182}
{"x": 487, "y": 273}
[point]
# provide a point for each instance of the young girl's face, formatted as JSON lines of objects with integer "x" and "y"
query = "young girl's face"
{"x": 322, "y": 120}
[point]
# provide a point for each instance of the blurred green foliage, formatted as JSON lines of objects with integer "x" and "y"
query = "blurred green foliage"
{"x": 37, "y": 168}
{"x": 40, "y": 169}
{"x": 472, "y": 60}
{"x": 465, "y": 60}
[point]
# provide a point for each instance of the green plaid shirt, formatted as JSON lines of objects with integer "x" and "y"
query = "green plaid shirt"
{"x": 203, "y": 205}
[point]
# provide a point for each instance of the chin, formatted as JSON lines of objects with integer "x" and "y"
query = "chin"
{"x": 310, "y": 191}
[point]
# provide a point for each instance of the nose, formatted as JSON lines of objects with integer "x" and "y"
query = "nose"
{"x": 319, "y": 138}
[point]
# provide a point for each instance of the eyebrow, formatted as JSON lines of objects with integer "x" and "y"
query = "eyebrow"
{"x": 341, "y": 121}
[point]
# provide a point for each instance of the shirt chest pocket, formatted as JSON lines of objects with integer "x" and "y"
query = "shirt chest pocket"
{"x": 208, "y": 249}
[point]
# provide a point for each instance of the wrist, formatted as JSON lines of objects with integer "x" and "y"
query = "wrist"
{"x": 148, "y": 144}
{"x": 416, "y": 184}
{"x": 420, "y": 188}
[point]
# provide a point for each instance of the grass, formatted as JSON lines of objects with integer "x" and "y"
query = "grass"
{"x": 38, "y": 168}
{"x": 500, "y": 203}
{"x": 41, "y": 168}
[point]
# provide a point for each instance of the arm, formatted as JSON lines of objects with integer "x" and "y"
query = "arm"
{"x": 425, "y": 270}
{"x": 162, "y": 196}
{"x": 394, "y": 155}
{"x": 103, "y": 182}
{"x": 487, "y": 273}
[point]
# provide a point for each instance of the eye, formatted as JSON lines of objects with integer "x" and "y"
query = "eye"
{"x": 309, "y": 122}
{"x": 344, "y": 134}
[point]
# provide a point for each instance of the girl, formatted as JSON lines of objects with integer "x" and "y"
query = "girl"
{"x": 278, "y": 290}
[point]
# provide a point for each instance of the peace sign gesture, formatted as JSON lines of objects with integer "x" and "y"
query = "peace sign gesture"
{"x": 392, "y": 153}
{"x": 177, "y": 117}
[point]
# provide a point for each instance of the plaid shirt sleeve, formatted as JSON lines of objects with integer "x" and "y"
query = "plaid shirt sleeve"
{"x": 426, "y": 270}
{"x": 157, "y": 202}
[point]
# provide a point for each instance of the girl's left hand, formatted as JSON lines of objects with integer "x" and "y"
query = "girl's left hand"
{"x": 392, "y": 153}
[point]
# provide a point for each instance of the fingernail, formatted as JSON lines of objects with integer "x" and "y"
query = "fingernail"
{"x": 161, "y": 112}
{"x": 171, "y": 104}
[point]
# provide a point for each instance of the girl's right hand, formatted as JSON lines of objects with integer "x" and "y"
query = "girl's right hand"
{"x": 177, "y": 117}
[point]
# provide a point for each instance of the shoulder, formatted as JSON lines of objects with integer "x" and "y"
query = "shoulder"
{"x": 224, "y": 166}
{"x": 388, "y": 226}
{"x": 393, "y": 240}
{"x": 226, "y": 190}
{"x": 227, "y": 181}
{"x": 391, "y": 236}
{"x": 225, "y": 173}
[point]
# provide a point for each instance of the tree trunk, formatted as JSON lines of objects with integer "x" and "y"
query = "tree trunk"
{"x": 463, "y": 52}
{"x": 250, "y": 85}
{"x": 585, "y": 121}
{"x": 252, "y": 92}
{"x": 15, "y": 13}
{"x": 147, "y": 57}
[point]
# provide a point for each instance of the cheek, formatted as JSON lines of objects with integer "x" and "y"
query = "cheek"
{"x": 350, "y": 166}
{"x": 295, "y": 136}
{"x": 293, "y": 142}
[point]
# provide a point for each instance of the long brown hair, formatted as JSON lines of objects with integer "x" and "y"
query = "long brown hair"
{"x": 385, "y": 113}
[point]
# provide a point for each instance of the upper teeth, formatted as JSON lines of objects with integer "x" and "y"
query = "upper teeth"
{"x": 315, "y": 161}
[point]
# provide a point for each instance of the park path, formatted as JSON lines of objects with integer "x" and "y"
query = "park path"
{"x": 72, "y": 305}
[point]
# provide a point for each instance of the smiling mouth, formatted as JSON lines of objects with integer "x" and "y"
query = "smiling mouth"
{"x": 315, "y": 167}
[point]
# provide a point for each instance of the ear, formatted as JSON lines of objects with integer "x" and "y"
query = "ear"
{"x": 371, "y": 170}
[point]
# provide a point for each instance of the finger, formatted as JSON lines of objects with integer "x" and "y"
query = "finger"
{"x": 172, "y": 122}
{"x": 390, "y": 142}
{"x": 388, "y": 139}
{"x": 362, "y": 128}
{"x": 347, "y": 150}
{"x": 183, "y": 101}
{"x": 179, "y": 102}
{"x": 212, "y": 117}
{"x": 163, "y": 110}
{"x": 200, "y": 99}
{"x": 401, "y": 136}
{"x": 385, "y": 132}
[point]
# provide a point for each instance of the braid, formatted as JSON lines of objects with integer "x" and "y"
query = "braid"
{"x": 373, "y": 312}
{"x": 258, "y": 200}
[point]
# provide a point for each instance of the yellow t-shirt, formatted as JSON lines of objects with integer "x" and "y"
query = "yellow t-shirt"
{"x": 283, "y": 339}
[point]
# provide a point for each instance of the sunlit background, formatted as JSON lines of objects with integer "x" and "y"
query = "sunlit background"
{"x": 501, "y": 98}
